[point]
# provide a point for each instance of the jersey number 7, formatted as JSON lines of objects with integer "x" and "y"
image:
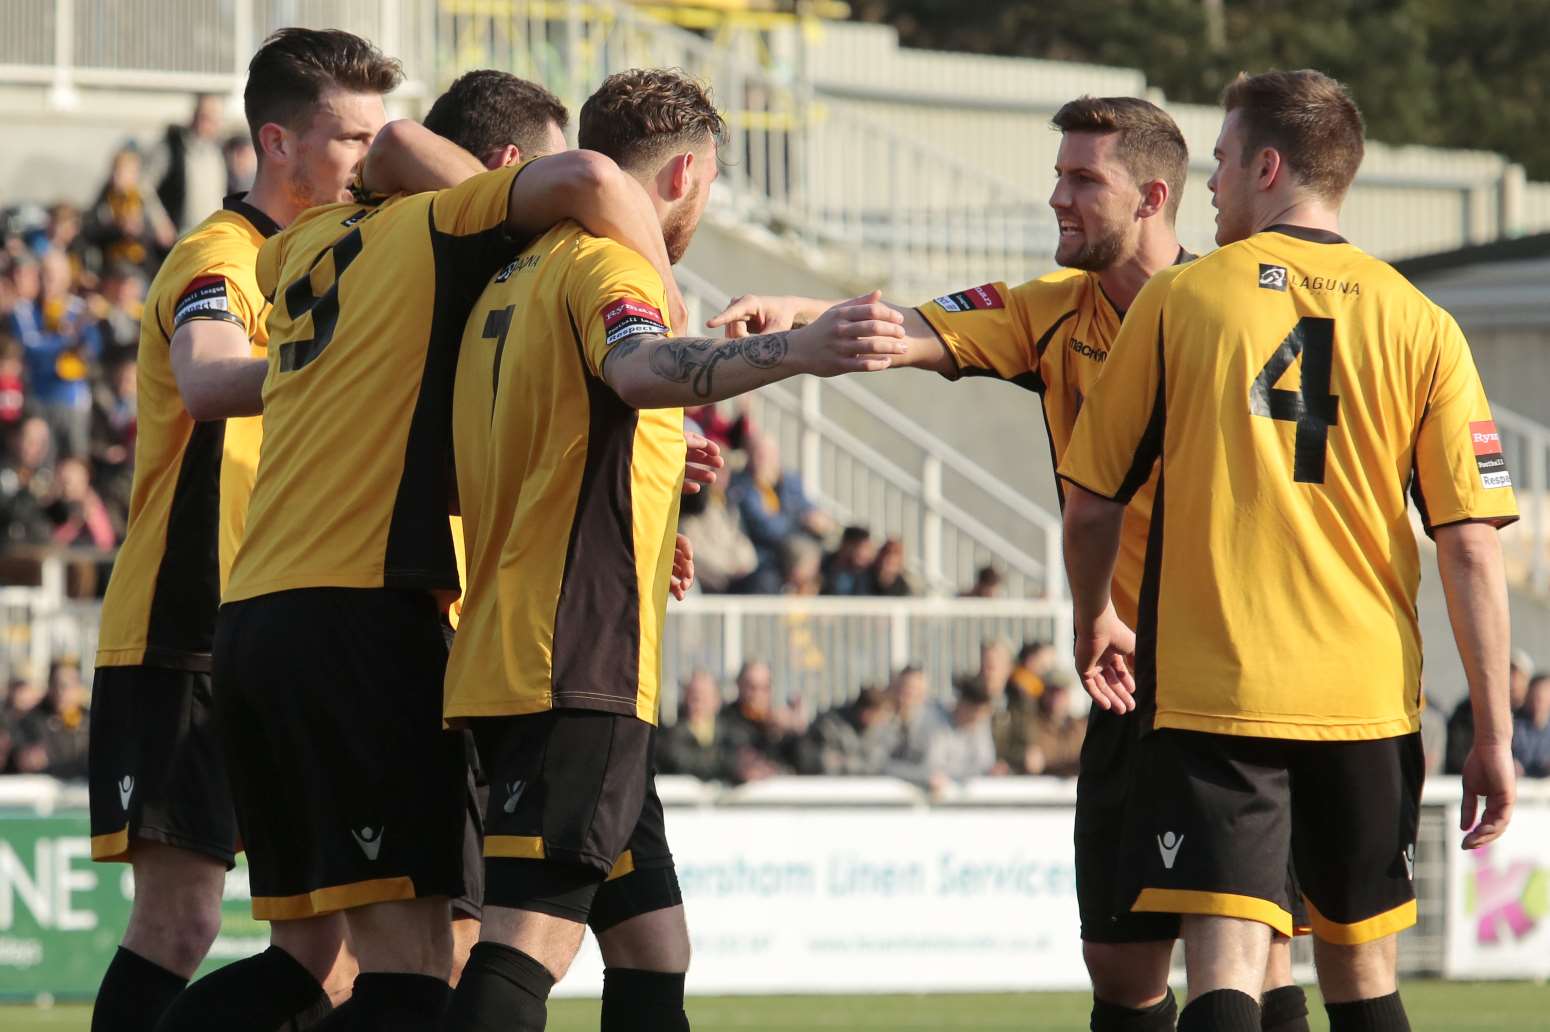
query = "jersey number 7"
{"x": 1311, "y": 406}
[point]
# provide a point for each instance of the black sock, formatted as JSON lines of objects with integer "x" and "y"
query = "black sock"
{"x": 395, "y": 1001}
{"x": 133, "y": 994}
{"x": 1380, "y": 1014}
{"x": 1284, "y": 1010}
{"x": 1222, "y": 1010}
{"x": 643, "y": 1001}
{"x": 1111, "y": 1017}
{"x": 257, "y": 994}
{"x": 502, "y": 990}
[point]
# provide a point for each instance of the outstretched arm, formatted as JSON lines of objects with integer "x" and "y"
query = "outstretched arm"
{"x": 406, "y": 157}
{"x": 653, "y": 371}
{"x": 757, "y": 313}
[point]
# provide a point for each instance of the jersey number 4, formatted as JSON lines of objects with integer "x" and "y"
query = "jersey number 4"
{"x": 299, "y": 300}
{"x": 1311, "y": 406}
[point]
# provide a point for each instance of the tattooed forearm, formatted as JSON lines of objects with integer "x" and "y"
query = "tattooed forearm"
{"x": 693, "y": 360}
{"x": 628, "y": 347}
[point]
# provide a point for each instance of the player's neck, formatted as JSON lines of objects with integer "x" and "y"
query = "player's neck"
{"x": 1123, "y": 280}
{"x": 269, "y": 196}
{"x": 1305, "y": 213}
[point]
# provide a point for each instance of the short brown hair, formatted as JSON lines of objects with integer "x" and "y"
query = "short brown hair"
{"x": 640, "y": 114}
{"x": 295, "y": 67}
{"x": 1150, "y": 144}
{"x": 485, "y": 110}
{"x": 1308, "y": 118}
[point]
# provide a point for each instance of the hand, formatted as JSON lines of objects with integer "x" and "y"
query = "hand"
{"x": 677, "y": 311}
{"x": 683, "y": 568}
{"x": 1101, "y": 653}
{"x": 1487, "y": 772}
{"x": 702, "y": 459}
{"x": 756, "y": 313}
{"x": 857, "y": 336}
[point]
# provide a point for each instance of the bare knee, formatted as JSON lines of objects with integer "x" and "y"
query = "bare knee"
{"x": 552, "y": 941}
{"x": 321, "y": 945}
{"x": 654, "y": 941}
{"x": 1361, "y": 972}
{"x": 1128, "y": 974}
{"x": 412, "y": 935}
{"x": 176, "y": 913}
{"x": 1278, "y": 969}
{"x": 465, "y": 932}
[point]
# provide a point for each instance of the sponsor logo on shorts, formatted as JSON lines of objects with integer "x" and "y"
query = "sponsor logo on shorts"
{"x": 205, "y": 294}
{"x": 628, "y": 317}
{"x": 982, "y": 298}
{"x": 370, "y": 840}
{"x": 1489, "y": 460}
{"x": 514, "y": 792}
{"x": 1168, "y": 845}
{"x": 126, "y": 788}
{"x": 1272, "y": 277}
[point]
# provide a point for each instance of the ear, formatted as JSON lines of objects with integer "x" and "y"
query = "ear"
{"x": 1268, "y": 168}
{"x": 506, "y": 156}
{"x": 1154, "y": 198}
{"x": 273, "y": 142}
{"x": 680, "y": 176}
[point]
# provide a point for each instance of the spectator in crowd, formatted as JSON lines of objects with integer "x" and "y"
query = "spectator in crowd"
{"x": 991, "y": 679}
{"x": 962, "y": 749}
{"x": 27, "y": 483}
{"x": 127, "y": 222}
{"x": 241, "y": 163}
{"x": 27, "y": 753}
{"x": 888, "y": 576}
{"x": 1531, "y": 730}
{"x": 1055, "y": 733}
{"x": 761, "y": 738}
{"x": 917, "y": 718}
{"x": 13, "y": 387}
{"x": 987, "y": 583}
{"x": 723, "y": 555}
{"x": 117, "y": 308}
{"x": 62, "y": 233}
{"x": 187, "y": 169}
{"x": 79, "y": 519}
{"x": 848, "y": 569}
{"x": 775, "y": 508}
{"x": 61, "y": 724}
{"x": 1035, "y": 660}
{"x": 855, "y": 739}
{"x": 115, "y": 416}
{"x": 1461, "y": 725}
{"x": 695, "y": 745}
{"x": 60, "y": 343}
{"x": 801, "y": 566}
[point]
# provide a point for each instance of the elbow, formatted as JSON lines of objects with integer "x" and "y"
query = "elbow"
{"x": 200, "y": 408}
{"x": 588, "y": 173}
{"x": 633, "y": 393}
{"x": 1472, "y": 546}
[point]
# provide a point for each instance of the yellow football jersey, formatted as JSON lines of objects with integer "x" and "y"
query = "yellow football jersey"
{"x": 353, "y": 482}
{"x": 1295, "y": 388}
{"x": 569, "y": 496}
{"x": 192, "y": 481}
{"x": 1050, "y": 335}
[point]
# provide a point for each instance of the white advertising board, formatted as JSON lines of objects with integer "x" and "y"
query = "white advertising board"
{"x": 1499, "y": 900}
{"x": 887, "y": 900}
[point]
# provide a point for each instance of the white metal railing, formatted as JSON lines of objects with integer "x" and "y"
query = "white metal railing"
{"x": 947, "y": 534}
{"x": 1526, "y": 544}
{"x": 869, "y": 204}
{"x": 191, "y": 45}
{"x": 823, "y": 649}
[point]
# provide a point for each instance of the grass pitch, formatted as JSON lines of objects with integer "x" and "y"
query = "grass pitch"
{"x": 1433, "y": 1007}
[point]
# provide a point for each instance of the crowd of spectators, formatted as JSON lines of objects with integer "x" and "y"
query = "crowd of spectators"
{"x": 1448, "y": 737}
{"x": 1009, "y": 716}
{"x": 43, "y": 728}
{"x": 72, "y": 287}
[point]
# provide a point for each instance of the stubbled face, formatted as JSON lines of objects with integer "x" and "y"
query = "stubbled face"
{"x": 331, "y": 147}
{"x": 1232, "y": 184}
{"x": 681, "y": 220}
{"x": 1095, "y": 201}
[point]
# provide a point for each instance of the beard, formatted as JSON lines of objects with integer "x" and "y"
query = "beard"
{"x": 1098, "y": 251}
{"x": 679, "y": 224}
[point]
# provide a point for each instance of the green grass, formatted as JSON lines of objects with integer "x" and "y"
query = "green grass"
{"x": 1433, "y": 1006}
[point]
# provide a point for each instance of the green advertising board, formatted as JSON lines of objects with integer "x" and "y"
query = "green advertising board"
{"x": 61, "y": 916}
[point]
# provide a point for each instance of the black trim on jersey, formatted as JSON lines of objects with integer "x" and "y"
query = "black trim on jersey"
{"x": 1042, "y": 344}
{"x": 259, "y": 221}
{"x": 1146, "y": 616}
{"x": 180, "y": 624}
{"x": 599, "y": 592}
{"x": 1419, "y": 497}
{"x": 1313, "y": 236}
{"x": 1150, "y": 446}
{"x": 419, "y": 543}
